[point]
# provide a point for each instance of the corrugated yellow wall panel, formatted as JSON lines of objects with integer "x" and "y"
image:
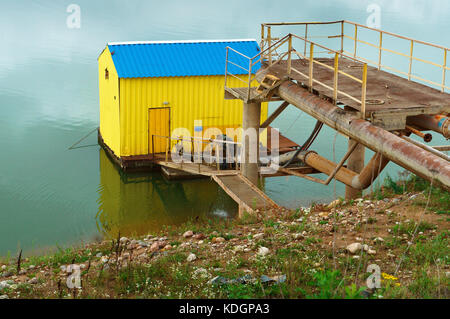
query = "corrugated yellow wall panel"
{"x": 189, "y": 99}
{"x": 109, "y": 102}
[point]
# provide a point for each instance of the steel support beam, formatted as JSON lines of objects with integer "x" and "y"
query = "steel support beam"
{"x": 275, "y": 114}
{"x": 250, "y": 141}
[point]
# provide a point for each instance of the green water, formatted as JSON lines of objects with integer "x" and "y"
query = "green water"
{"x": 50, "y": 195}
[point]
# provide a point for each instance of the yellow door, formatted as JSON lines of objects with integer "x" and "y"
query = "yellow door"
{"x": 158, "y": 125}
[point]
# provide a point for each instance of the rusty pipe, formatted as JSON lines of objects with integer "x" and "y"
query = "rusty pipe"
{"x": 427, "y": 148}
{"x": 437, "y": 123}
{"x": 397, "y": 150}
{"x": 427, "y": 137}
{"x": 358, "y": 181}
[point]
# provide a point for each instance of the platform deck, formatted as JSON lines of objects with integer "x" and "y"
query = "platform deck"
{"x": 396, "y": 94}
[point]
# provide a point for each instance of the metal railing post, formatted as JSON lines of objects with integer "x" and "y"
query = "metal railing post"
{"x": 336, "y": 77}
{"x": 153, "y": 145}
{"x": 356, "y": 41}
{"x": 411, "y": 59}
{"x": 167, "y": 149}
{"x": 311, "y": 66}
{"x": 444, "y": 69}
{"x": 262, "y": 37}
{"x": 217, "y": 157}
{"x": 380, "y": 50}
{"x": 192, "y": 150}
{"x": 364, "y": 92}
{"x": 226, "y": 69}
{"x": 289, "y": 63}
{"x": 342, "y": 37}
{"x": 306, "y": 37}
{"x": 182, "y": 151}
{"x": 269, "y": 44}
{"x": 249, "y": 78}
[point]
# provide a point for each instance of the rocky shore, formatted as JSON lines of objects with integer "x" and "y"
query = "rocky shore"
{"x": 322, "y": 251}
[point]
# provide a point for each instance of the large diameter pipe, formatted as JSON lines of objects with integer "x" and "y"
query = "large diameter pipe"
{"x": 350, "y": 178}
{"x": 437, "y": 123}
{"x": 401, "y": 152}
{"x": 355, "y": 163}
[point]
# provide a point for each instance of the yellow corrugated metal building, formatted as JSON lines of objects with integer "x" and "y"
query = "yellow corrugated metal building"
{"x": 152, "y": 88}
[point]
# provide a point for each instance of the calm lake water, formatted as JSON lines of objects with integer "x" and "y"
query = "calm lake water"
{"x": 50, "y": 195}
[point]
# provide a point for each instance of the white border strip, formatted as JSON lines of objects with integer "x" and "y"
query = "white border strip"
{"x": 181, "y": 41}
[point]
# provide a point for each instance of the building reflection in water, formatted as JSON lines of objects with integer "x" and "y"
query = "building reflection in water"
{"x": 139, "y": 203}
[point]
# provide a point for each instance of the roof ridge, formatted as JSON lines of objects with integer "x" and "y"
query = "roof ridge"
{"x": 159, "y": 59}
{"x": 179, "y": 42}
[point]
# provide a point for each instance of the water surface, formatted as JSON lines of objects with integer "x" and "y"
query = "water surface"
{"x": 50, "y": 195}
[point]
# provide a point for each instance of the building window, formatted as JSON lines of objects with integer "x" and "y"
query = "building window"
{"x": 106, "y": 74}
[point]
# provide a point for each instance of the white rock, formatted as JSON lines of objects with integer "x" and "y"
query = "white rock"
{"x": 202, "y": 272}
{"x": 239, "y": 248}
{"x": 4, "y": 284}
{"x": 188, "y": 234}
{"x": 4, "y": 297}
{"x": 104, "y": 259}
{"x": 333, "y": 204}
{"x": 366, "y": 247}
{"x": 356, "y": 257}
{"x": 354, "y": 248}
{"x": 371, "y": 251}
{"x": 123, "y": 240}
{"x": 298, "y": 236}
{"x": 378, "y": 239}
{"x": 33, "y": 281}
{"x": 191, "y": 257}
{"x": 263, "y": 251}
{"x": 258, "y": 236}
{"x": 3, "y": 267}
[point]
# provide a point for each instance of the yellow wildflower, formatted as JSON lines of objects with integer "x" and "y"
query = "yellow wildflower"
{"x": 388, "y": 277}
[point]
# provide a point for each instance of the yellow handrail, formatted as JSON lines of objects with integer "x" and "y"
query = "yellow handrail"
{"x": 381, "y": 47}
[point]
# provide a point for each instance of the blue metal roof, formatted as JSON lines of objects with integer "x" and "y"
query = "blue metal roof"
{"x": 184, "y": 58}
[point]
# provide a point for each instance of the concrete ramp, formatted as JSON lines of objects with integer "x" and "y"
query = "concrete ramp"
{"x": 249, "y": 197}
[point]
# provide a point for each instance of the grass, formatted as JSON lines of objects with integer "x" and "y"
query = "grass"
{"x": 439, "y": 200}
{"x": 312, "y": 268}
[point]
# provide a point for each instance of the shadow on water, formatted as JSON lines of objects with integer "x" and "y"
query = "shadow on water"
{"x": 138, "y": 203}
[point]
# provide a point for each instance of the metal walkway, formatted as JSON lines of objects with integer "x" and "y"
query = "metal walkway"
{"x": 247, "y": 195}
